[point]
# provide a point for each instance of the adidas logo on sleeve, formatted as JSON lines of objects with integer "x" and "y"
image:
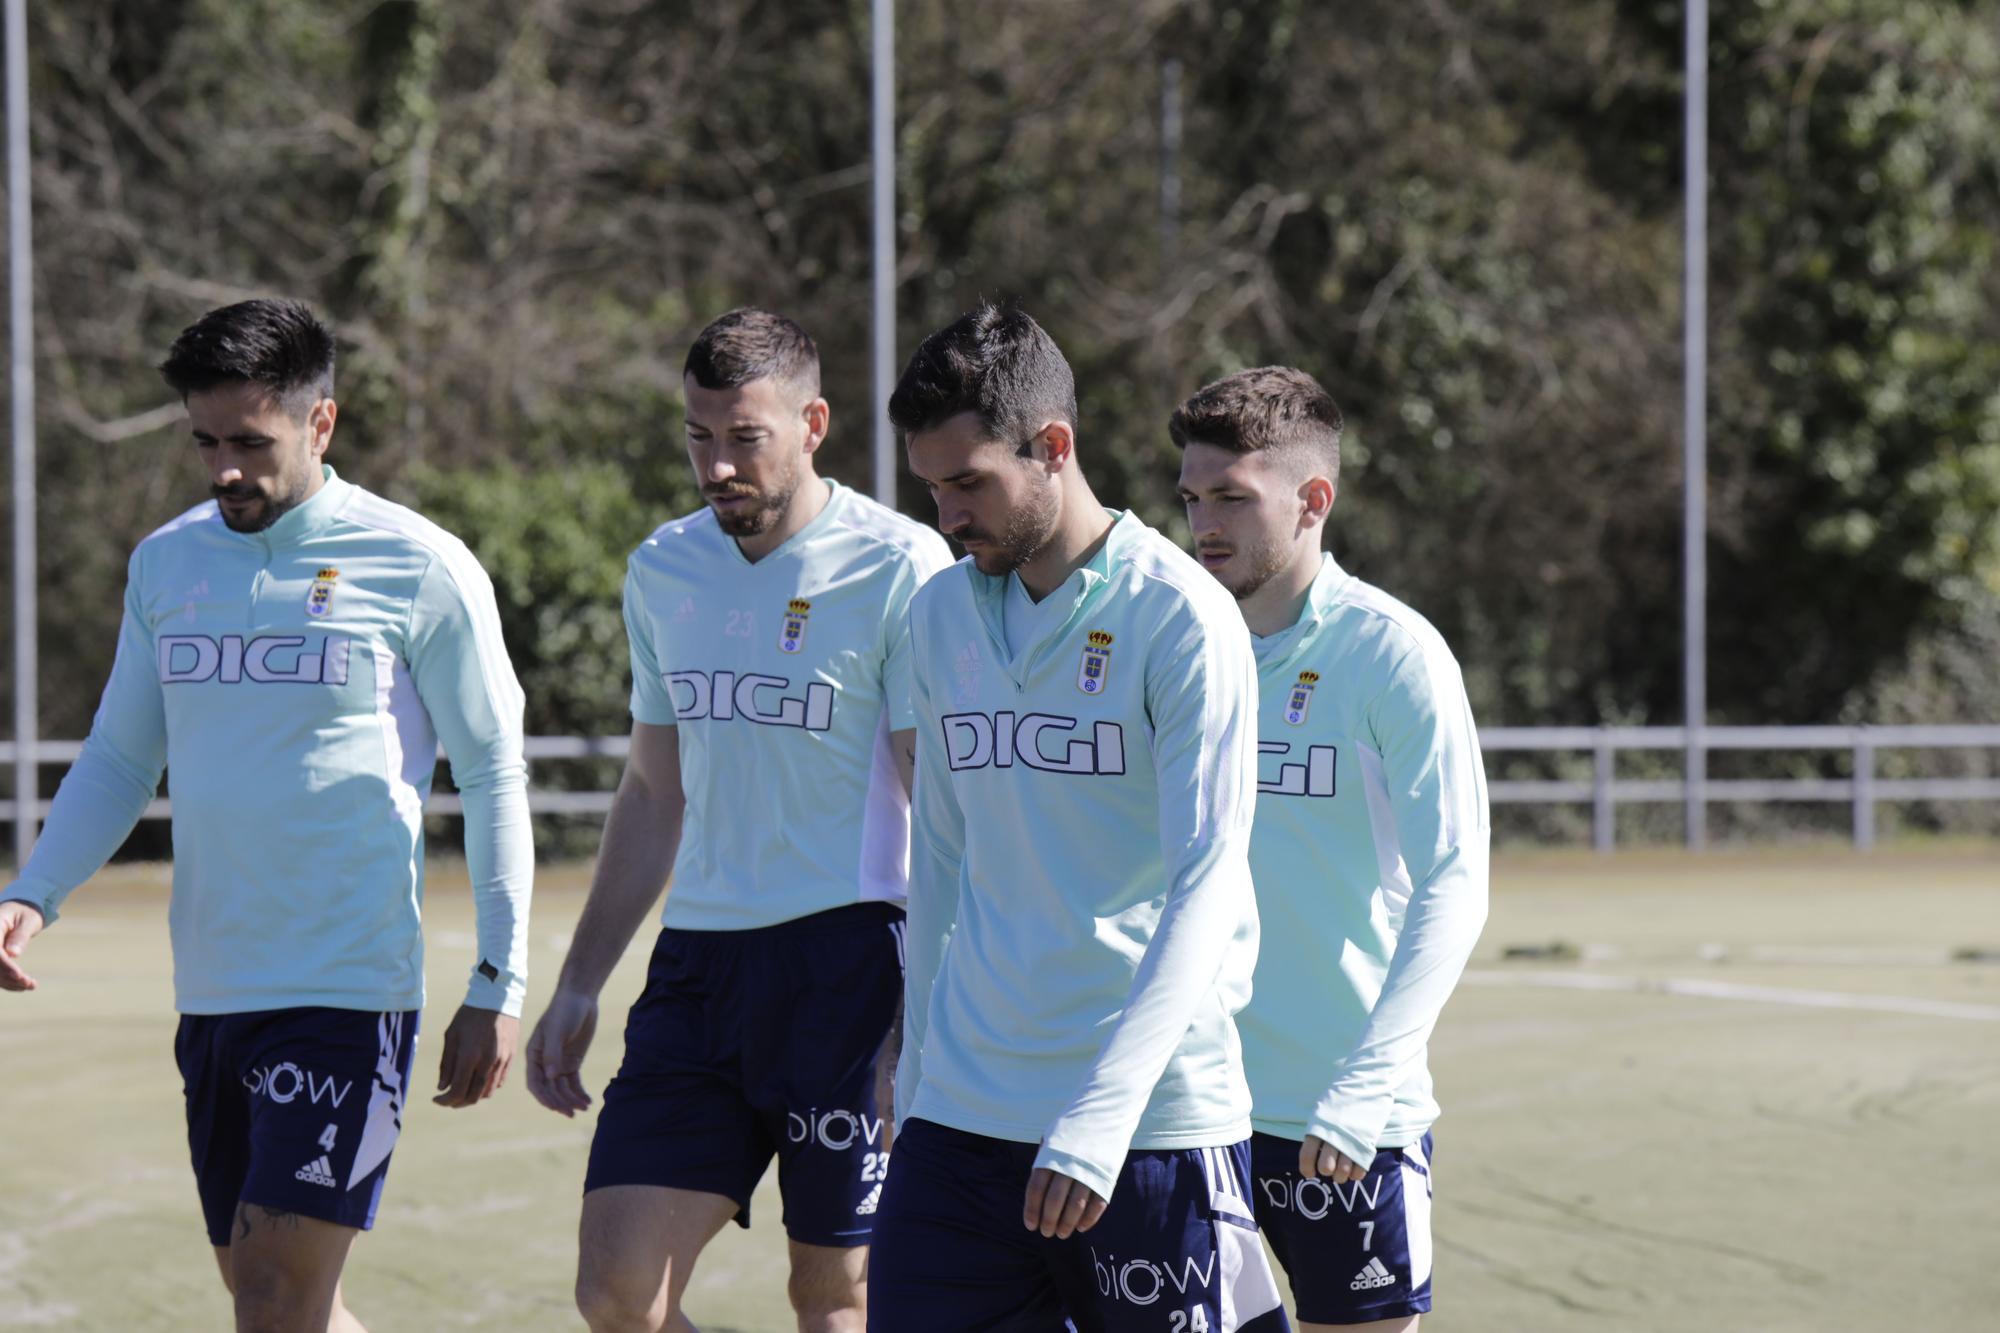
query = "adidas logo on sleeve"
{"x": 316, "y": 1173}
{"x": 1373, "y": 1276}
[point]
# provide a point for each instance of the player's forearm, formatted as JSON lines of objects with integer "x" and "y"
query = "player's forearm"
{"x": 1174, "y": 980}
{"x": 1204, "y": 751}
{"x": 1440, "y": 929}
{"x": 641, "y": 838}
{"x": 500, "y": 858}
{"x": 96, "y": 807}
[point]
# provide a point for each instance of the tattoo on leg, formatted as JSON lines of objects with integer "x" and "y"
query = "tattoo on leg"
{"x": 250, "y": 1215}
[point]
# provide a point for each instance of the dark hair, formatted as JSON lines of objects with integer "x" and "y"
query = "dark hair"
{"x": 994, "y": 361}
{"x": 278, "y": 345}
{"x": 751, "y": 344}
{"x": 1271, "y": 407}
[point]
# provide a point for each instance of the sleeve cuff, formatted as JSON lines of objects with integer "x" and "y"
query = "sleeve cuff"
{"x": 1357, "y": 1141}
{"x": 1090, "y": 1174}
{"x": 40, "y": 897}
{"x": 501, "y": 993}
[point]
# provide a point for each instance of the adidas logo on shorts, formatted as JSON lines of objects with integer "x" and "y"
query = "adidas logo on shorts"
{"x": 316, "y": 1173}
{"x": 1373, "y": 1276}
{"x": 866, "y": 1207}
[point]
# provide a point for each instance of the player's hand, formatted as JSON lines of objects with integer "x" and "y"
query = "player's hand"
{"x": 478, "y": 1049}
{"x": 556, "y": 1049}
{"x": 19, "y": 923}
{"x": 1317, "y": 1157}
{"x": 1058, "y": 1206}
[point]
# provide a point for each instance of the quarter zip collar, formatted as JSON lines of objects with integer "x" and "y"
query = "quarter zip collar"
{"x": 308, "y": 520}
{"x": 989, "y": 595}
{"x": 1328, "y": 586}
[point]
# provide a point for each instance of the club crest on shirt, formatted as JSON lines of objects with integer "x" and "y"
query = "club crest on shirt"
{"x": 792, "y": 636}
{"x": 1095, "y": 672}
{"x": 319, "y": 601}
{"x": 1301, "y": 698}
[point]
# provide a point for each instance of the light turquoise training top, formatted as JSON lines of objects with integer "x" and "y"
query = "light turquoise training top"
{"x": 1082, "y": 927}
{"x": 295, "y": 683}
{"x": 1370, "y": 856}
{"x": 784, "y": 679}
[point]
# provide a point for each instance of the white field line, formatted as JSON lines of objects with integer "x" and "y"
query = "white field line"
{"x": 1725, "y": 990}
{"x": 1811, "y": 955}
{"x": 1829, "y": 955}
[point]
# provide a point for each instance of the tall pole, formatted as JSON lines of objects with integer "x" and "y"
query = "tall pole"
{"x": 1694, "y": 424}
{"x": 883, "y": 157}
{"x": 1170, "y": 158}
{"x": 21, "y": 345}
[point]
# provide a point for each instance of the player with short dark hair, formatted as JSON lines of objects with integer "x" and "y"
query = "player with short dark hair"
{"x": 1370, "y": 854}
{"x": 769, "y": 771}
{"x": 1075, "y": 1121}
{"x": 293, "y": 651}
{"x": 1273, "y": 410}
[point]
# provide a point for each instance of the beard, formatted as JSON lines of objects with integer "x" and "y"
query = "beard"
{"x": 268, "y": 510}
{"x": 1027, "y": 532}
{"x": 1253, "y": 566}
{"x": 756, "y": 518}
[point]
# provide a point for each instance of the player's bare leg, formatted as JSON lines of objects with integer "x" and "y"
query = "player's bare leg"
{"x": 341, "y": 1321}
{"x": 829, "y": 1288}
{"x": 283, "y": 1272}
{"x": 636, "y": 1246}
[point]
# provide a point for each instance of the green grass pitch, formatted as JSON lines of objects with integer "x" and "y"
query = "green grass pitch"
{"x": 1773, "y": 1110}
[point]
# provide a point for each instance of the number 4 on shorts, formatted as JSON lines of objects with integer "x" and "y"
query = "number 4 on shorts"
{"x": 326, "y": 1139}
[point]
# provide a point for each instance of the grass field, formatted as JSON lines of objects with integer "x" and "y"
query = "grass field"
{"x": 1795, "y": 1130}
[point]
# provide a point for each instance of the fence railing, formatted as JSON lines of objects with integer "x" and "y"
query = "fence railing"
{"x": 1604, "y": 791}
{"x": 1867, "y": 789}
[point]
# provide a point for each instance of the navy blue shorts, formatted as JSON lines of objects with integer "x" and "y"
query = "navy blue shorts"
{"x": 750, "y": 1043}
{"x": 1176, "y": 1252}
{"x": 1355, "y": 1253}
{"x": 296, "y": 1109}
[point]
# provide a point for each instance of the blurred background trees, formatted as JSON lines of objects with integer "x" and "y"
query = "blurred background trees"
{"x": 1463, "y": 217}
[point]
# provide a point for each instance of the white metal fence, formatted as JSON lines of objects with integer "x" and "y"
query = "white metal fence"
{"x": 1863, "y": 792}
{"x": 1604, "y": 791}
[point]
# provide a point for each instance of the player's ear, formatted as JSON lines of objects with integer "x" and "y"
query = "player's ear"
{"x": 819, "y": 416}
{"x": 1316, "y": 495}
{"x": 319, "y": 425}
{"x": 1055, "y": 444}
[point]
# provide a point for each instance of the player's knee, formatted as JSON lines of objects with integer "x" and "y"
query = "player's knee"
{"x": 271, "y": 1298}
{"x": 613, "y": 1302}
{"x": 849, "y": 1315}
{"x": 828, "y": 1300}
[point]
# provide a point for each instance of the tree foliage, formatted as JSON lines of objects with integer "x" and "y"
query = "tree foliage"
{"x": 1465, "y": 219}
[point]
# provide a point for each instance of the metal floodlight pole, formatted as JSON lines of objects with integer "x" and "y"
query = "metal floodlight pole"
{"x": 1694, "y": 424}
{"x": 21, "y": 344}
{"x": 883, "y": 157}
{"x": 1170, "y": 158}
